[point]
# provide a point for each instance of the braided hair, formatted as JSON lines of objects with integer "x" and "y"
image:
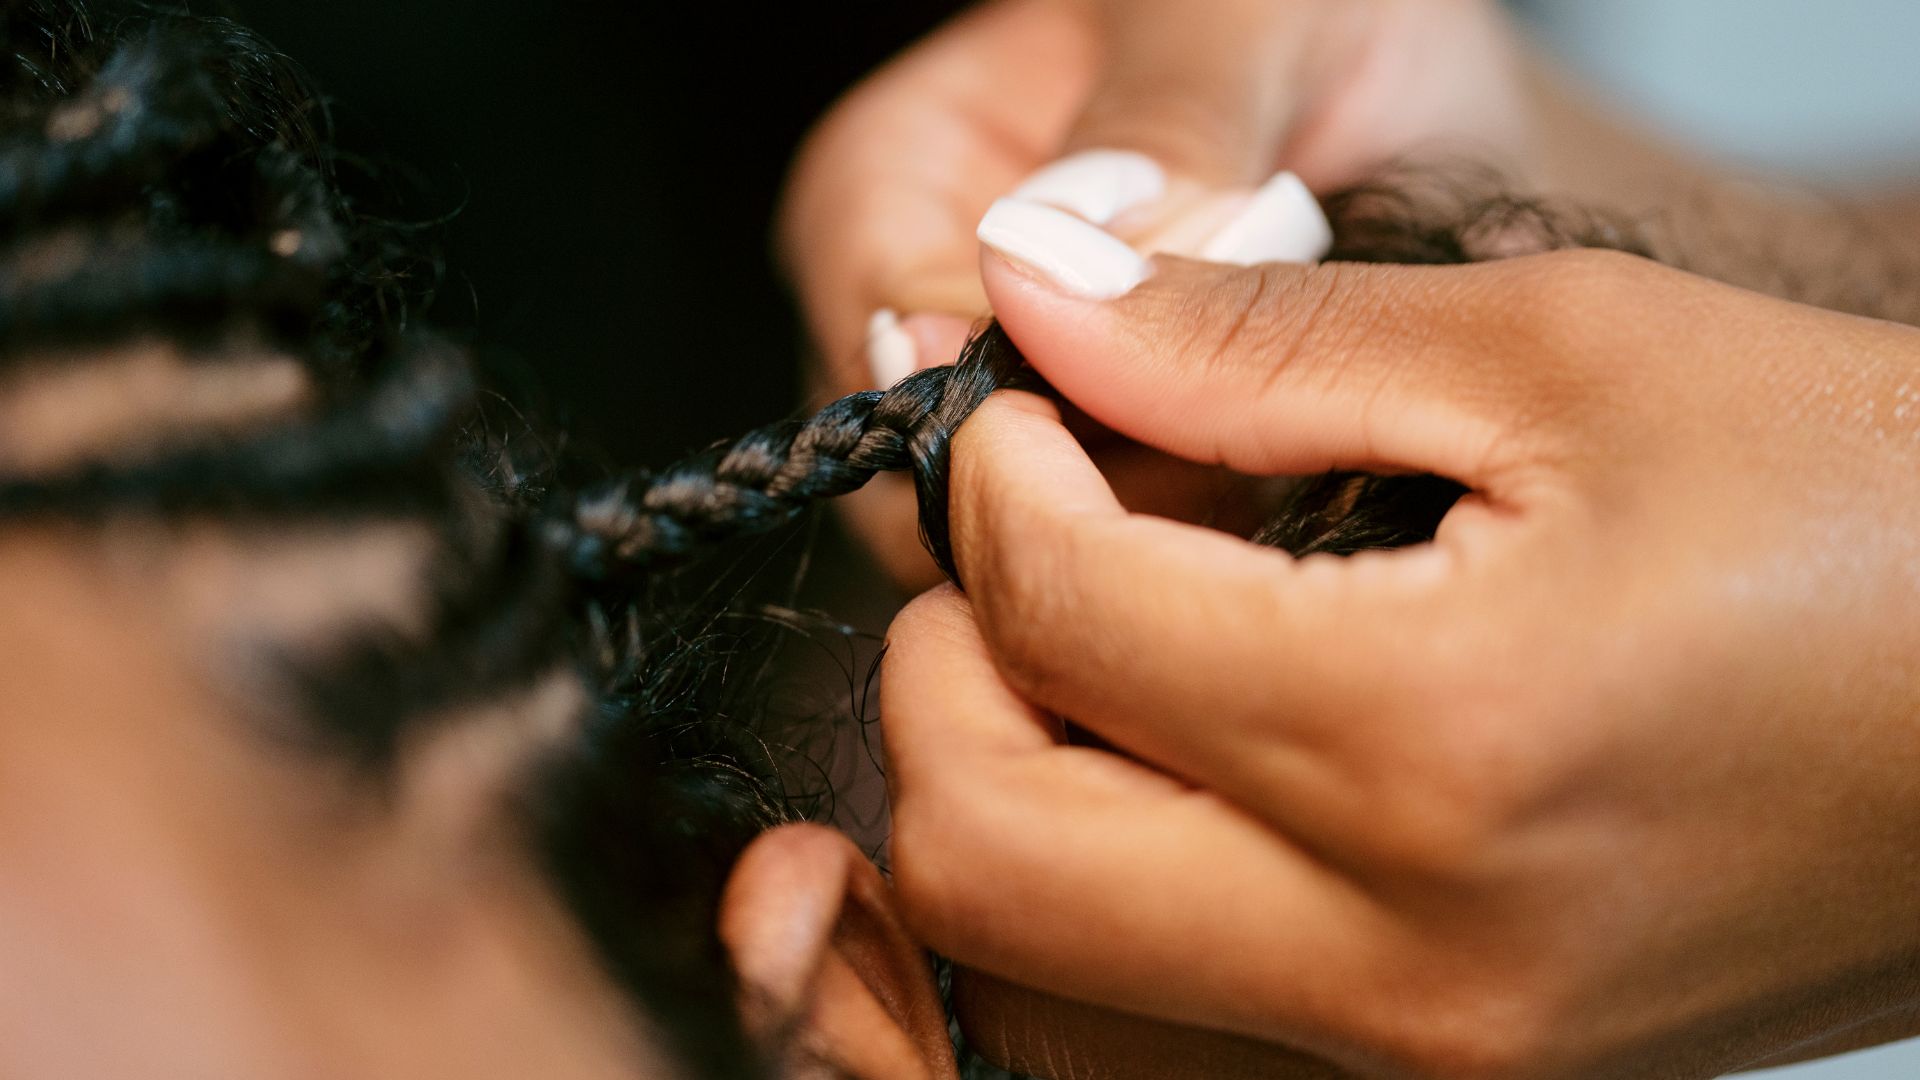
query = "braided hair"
{"x": 166, "y": 187}
{"x": 167, "y": 179}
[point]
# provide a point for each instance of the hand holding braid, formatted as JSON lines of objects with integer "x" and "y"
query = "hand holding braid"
{"x": 770, "y": 476}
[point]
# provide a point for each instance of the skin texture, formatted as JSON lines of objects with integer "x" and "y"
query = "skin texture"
{"x": 883, "y": 201}
{"x": 1614, "y": 779}
{"x": 832, "y": 976}
{"x": 326, "y": 746}
{"x": 188, "y": 897}
{"x": 881, "y": 213}
{"x": 189, "y": 889}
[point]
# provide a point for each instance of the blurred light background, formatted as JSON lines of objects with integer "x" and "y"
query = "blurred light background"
{"x": 1823, "y": 89}
{"x": 614, "y": 167}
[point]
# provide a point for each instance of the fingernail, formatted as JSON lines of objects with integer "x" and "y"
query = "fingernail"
{"x": 1076, "y": 257}
{"x": 1099, "y": 185}
{"x": 1282, "y": 223}
{"x": 891, "y": 352}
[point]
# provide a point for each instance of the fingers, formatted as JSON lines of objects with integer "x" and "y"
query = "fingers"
{"x": 880, "y": 209}
{"x": 1290, "y": 370}
{"x": 877, "y": 221}
{"x": 826, "y": 969}
{"x": 1147, "y": 632}
{"x": 1031, "y": 860}
{"x": 1209, "y": 98}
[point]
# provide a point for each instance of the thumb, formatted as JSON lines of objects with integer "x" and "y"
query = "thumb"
{"x": 1275, "y": 369}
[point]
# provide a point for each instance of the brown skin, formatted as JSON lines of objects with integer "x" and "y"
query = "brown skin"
{"x": 188, "y": 897}
{"x": 190, "y": 889}
{"x": 1614, "y": 779}
{"x": 881, "y": 213}
{"x": 883, "y": 201}
{"x": 832, "y": 974}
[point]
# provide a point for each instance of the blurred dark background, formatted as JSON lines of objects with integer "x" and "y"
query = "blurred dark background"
{"x": 612, "y": 170}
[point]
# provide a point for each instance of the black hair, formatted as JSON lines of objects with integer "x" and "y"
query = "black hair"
{"x": 168, "y": 177}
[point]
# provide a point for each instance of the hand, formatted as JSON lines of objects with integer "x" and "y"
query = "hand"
{"x": 883, "y": 202}
{"x": 1616, "y": 778}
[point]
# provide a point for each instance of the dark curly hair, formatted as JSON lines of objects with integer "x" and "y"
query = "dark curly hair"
{"x": 168, "y": 178}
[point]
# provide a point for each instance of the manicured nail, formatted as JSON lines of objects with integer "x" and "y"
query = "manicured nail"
{"x": 1282, "y": 223}
{"x": 1077, "y": 257}
{"x": 1099, "y": 185}
{"x": 891, "y": 352}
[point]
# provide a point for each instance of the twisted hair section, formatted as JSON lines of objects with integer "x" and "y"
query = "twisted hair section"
{"x": 167, "y": 202}
{"x": 165, "y": 182}
{"x": 769, "y": 477}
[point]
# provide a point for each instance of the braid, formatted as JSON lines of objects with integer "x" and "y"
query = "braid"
{"x": 168, "y": 180}
{"x": 498, "y": 621}
{"x": 770, "y": 476}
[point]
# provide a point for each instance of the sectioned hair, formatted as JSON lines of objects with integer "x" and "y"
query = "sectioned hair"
{"x": 167, "y": 178}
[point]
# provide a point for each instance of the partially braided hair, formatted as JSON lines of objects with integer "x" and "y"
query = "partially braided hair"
{"x": 166, "y": 178}
{"x": 771, "y": 476}
{"x": 165, "y": 185}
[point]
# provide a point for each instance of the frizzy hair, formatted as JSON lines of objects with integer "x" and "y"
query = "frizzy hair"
{"x": 167, "y": 177}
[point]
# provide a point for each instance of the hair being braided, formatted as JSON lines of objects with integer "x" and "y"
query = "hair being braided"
{"x": 770, "y": 476}
{"x": 164, "y": 186}
{"x": 165, "y": 178}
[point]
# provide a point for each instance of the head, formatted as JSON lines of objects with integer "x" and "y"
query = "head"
{"x": 338, "y": 735}
{"x": 340, "y": 731}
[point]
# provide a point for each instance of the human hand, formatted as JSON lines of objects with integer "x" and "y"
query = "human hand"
{"x": 1613, "y": 779}
{"x": 882, "y": 206}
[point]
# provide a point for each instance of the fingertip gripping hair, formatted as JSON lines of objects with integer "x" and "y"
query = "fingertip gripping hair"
{"x": 769, "y": 477}
{"x": 169, "y": 180}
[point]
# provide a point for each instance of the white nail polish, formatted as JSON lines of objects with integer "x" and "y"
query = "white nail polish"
{"x": 891, "y": 353}
{"x": 1282, "y": 223}
{"x": 1099, "y": 185}
{"x": 1077, "y": 257}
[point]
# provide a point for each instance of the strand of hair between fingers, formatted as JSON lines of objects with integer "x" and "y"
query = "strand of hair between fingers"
{"x": 770, "y": 476}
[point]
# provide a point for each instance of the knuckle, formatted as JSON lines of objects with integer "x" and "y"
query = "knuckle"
{"x": 1554, "y": 300}
{"x": 929, "y": 889}
{"x": 1266, "y": 318}
{"x": 1445, "y": 825}
{"x": 1028, "y": 617}
{"x": 1449, "y": 793}
{"x": 1332, "y": 321}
